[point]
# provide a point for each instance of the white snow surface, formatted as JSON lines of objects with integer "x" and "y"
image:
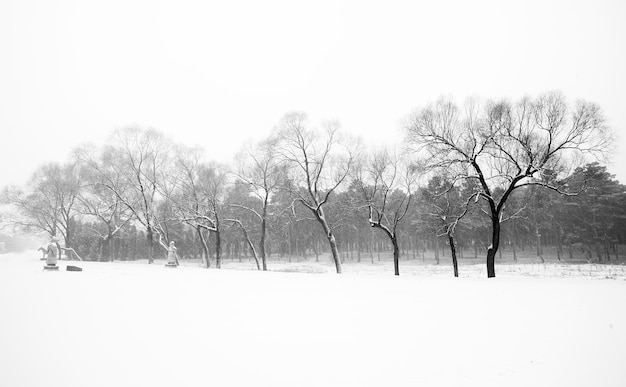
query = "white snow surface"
{"x": 133, "y": 324}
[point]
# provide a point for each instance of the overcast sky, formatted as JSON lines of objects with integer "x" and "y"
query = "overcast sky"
{"x": 218, "y": 73}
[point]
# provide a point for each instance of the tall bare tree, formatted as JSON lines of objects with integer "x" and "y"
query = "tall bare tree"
{"x": 200, "y": 201}
{"x": 319, "y": 164}
{"x": 506, "y": 146}
{"x": 260, "y": 167}
{"x": 131, "y": 167}
{"x": 444, "y": 205}
{"x": 386, "y": 182}
{"x": 190, "y": 203}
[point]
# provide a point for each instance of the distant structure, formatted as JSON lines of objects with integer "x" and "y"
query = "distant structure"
{"x": 51, "y": 260}
{"x": 172, "y": 257}
{"x": 172, "y": 260}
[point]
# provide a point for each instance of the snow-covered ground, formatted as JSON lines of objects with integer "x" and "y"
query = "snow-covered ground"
{"x": 132, "y": 324}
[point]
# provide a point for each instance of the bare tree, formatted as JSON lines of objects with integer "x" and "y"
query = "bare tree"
{"x": 260, "y": 167}
{"x": 444, "y": 204}
{"x": 199, "y": 203}
{"x": 30, "y": 211}
{"x": 50, "y": 203}
{"x": 100, "y": 202}
{"x": 506, "y": 146}
{"x": 191, "y": 204}
{"x": 386, "y": 184}
{"x": 319, "y": 164}
{"x": 131, "y": 167}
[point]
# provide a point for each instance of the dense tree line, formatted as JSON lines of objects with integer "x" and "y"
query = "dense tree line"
{"x": 471, "y": 180}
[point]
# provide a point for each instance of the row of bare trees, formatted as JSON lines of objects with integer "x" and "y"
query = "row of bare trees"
{"x": 459, "y": 164}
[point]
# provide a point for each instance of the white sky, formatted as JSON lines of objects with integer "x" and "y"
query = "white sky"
{"x": 218, "y": 73}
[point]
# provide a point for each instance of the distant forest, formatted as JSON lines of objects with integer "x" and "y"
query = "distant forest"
{"x": 525, "y": 178}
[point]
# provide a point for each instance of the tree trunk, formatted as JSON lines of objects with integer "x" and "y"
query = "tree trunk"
{"x": 205, "y": 247}
{"x": 333, "y": 248}
{"x": 115, "y": 248}
{"x": 332, "y": 242}
{"x": 289, "y": 238}
{"x": 263, "y": 230}
{"x": 110, "y": 247}
{"x": 491, "y": 258}
{"x": 105, "y": 249}
{"x": 539, "y": 249}
{"x": 218, "y": 249}
{"x": 514, "y": 251}
{"x": 559, "y": 244}
{"x": 68, "y": 241}
{"x": 372, "y": 245}
{"x": 393, "y": 237}
{"x": 493, "y": 249}
{"x": 358, "y": 245}
{"x": 150, "y": 237}
{"x": 100, "y": 250}
{"x": 250, "y": 245}
{"x": 317, "y": 250}
{"x": 396, "y": 254}
{"x": 453, "y": 254}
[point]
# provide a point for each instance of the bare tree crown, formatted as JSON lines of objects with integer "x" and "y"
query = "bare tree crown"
{"x": 503, "y": 141}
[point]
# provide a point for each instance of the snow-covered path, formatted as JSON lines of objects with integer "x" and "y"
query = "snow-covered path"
{"x": 118, "y": 324}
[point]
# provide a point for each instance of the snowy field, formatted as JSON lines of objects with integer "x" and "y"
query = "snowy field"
{"x": 133, "y": 324}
